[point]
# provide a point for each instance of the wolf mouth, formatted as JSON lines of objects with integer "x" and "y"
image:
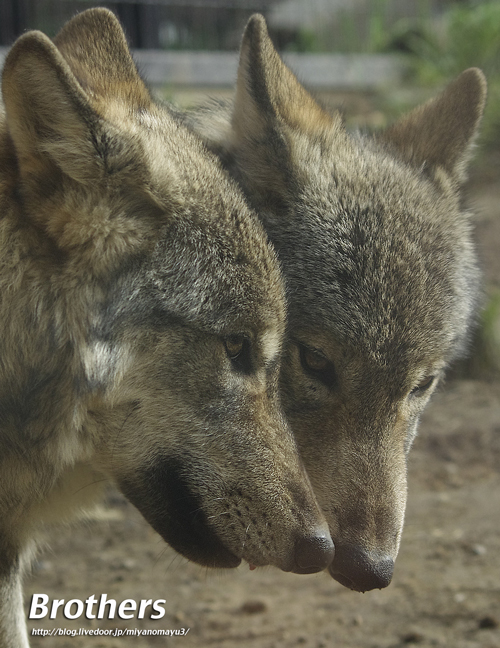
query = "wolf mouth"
{"x": 167, "y": 501}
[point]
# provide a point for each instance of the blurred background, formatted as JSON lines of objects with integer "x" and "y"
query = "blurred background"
{"x": 395, "y": 49}
{"x": 373, "y": 60}
{"x": 334, "y": 45}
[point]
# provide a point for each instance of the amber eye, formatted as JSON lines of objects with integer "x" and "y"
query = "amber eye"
{"x": 314, "y": 360}
{"x": 234, "y": 346}
{"x": 239, "y": 351}
{"x": 317, "y": 366}
{"x": 423, "y": 386}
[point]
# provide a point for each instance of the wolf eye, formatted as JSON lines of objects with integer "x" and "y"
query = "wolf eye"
{"x": 422, "y": 386}
{"x": 234, "y": 346}
{"x": 316, "y": 365}
{"x": 314, "y": 360}
{"x": 238, "y": 351}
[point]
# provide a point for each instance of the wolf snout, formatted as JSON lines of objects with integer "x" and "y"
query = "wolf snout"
{"x": 313, "y": 553}
{"x": 360, "y": 570}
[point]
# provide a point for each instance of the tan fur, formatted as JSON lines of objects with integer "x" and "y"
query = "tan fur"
{"x": 278, "y": 89}
{"x": 130, "y": 270}
{"x": 438, "y": 134}
{"x": 381, "y": 280}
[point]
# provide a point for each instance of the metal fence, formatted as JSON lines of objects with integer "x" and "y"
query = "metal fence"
{"x": 299, "y": 25}
{"x": 150, "y": 24}
{"x": 195, "y": 42}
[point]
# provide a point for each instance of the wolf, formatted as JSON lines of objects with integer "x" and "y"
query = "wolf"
{"x": 142, "y": 313}
{"x": 381, "y": 276}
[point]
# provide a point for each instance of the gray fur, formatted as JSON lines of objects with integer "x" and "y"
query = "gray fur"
{"x": 142, "y": 312}
{"x": 381, "y": 275}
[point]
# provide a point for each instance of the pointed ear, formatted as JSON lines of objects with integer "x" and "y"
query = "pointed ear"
{"x": 270, "y": 108}
{"x": 95, "y": 47}
{"x": 267, "y": 89}
{"x": 441, "y": 132}
{"x": 49, "y": 116}
{"x": 67, "y": 152}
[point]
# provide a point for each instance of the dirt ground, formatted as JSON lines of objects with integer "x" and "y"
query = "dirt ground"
{"x": 446, "y": 587}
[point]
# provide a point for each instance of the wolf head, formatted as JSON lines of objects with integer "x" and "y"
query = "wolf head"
{"x": 381, "y": 281}
{"x": 144, "y": 310}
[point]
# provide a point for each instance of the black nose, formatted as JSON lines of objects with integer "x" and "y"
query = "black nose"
{"x": 314, "y": 553}
{"x": 361, "y": 570}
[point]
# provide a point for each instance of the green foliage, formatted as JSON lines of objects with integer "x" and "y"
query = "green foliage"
{"x": 484, "y": 359}
{"x": 349, "y": 32}
{"x": 306, "y": 40}
{"x": 468, "y": 36}
{"x": 377, "y": 26}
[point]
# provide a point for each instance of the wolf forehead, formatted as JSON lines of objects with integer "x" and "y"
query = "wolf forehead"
{"x": 213, "y": 243}
{"x": 235, "y": 285}
{"x": 384, "y": 244}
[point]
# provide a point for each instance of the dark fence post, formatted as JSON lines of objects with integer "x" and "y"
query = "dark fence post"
{"x": 141, "y": 24}
{"x": 14, "y": 19}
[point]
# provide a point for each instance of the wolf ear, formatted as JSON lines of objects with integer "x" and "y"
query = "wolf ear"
{"x": 95, "y": 47}
{"x": 49, "y": 117}
{"x": 270, "y": 105}
{"x": 267, "y": 89}
{"x": 441, "y": 132}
